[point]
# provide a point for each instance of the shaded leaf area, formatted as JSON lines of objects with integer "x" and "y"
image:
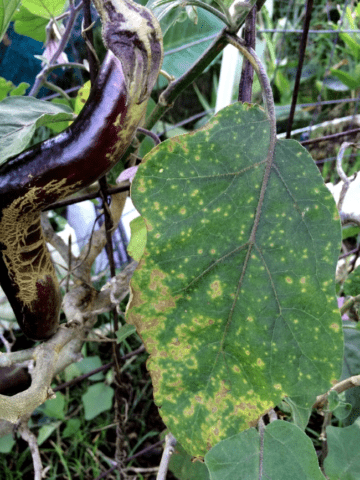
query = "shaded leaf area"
{"x": 30, "y": 25}
{"x": 184, "y": 468}
{"x": 20, "y": 117}
{"x": 343, "y": 459}
{"x": 284, "y": 452}
{"x": 234, "y": 296}
{"x": 7, "y": 9}
{"x": 300, "y": 415}
{"x": 181, "y": 55}
{"x": 351, "y": 366}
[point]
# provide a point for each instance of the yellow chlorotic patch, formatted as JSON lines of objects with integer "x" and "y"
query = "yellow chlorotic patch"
{"x": 216, "y": 290}
{"x": 288, "y": 280}
{"x": 189, "y": 412}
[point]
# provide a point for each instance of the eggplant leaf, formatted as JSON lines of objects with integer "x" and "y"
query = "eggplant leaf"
{"x": 234, "y": 296}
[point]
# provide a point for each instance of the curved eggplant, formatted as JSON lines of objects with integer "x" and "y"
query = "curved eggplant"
{"x": 75, "y": 158}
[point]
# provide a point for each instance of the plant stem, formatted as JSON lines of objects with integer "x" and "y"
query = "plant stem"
{"x": 41, "y": 77}
{"x": 169, "y": 95}
{"x": 170, "y": 442}
{"x": 309, "y": 6}
{"x": 254, "y": 60}
{"x": 56, "y": 89}
{"x": 348, "y": 304}
{"x": 247, "y": 73}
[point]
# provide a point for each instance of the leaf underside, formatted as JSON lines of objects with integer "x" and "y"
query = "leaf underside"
{"x": 234, "y": 296}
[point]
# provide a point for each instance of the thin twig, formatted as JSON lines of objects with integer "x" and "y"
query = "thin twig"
{"x": 125, "y": 187}
{"x": 31, "y": 439}
{"x": 150, "y": 134}
{"x": 349, "y": 304}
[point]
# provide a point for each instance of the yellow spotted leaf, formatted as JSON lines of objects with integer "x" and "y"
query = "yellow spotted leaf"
{"x": 234, "y": 296}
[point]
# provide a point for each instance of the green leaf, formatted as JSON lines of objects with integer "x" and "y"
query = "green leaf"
{"x": 89, "y": 364}
{"x": 82, "y": 96}
{"x": 335, "y": 404}
{"x": 234, "y": 296}
{"x": 45, "y": 8}
{"x": 57, "y": 127}
{"x": 20, "y": 117}
{"x": 300, "y": 415}
{"x": 352, "y": 283}
{"x": 343, "y": 459}
{"x": 46, "y": 431}
{"x": 351, "y": 366}
{"x": 167, "y": 13}
{"x": 30, "y": 25}
{"x": 333, "y": 400}
{"x": 346, "y": 78}
{"x": 137, "y": 242}
{"x": 72, "y": 428}
{"x": 20, "y": 89}
{"x": 183, "y": 468}
{"x": 6, "y": 443}
{"x": 54, "y": 408}
{"x": 7, "y": 10}
{"x": 97, "y": 399}
{"x": 180, "y": 56}
{"x": 286, "y": 453}
{"x": 342, "y": 411}
{"x": 7, "y": 87}
{"x": 353, "y": 46}
{"x": 124, "y": 332}
{"x": 350, "y": 231}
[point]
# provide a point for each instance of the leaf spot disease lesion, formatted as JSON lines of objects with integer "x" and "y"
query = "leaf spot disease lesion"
{"x": 215, "y": 289}
{"x": 260, "y": 363}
